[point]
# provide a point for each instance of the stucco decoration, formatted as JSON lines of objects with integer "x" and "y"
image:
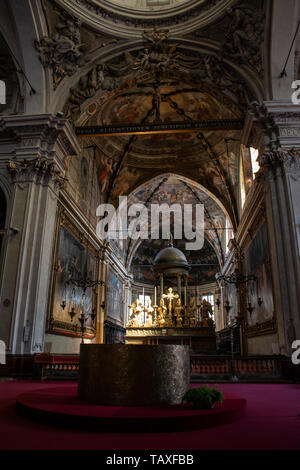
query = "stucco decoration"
{"x": 159, "y": 62}
{"x": 63, "y": 53}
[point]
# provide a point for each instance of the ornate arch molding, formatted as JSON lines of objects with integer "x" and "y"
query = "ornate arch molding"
{"x": 123, "y": 22}
{"x": 202, "y": 61}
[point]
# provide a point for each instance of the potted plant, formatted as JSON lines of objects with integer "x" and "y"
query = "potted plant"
{"x": 203, "y": 398}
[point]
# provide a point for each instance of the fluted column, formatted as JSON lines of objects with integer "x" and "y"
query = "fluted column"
{"x": 103, "y": 266}
{"x": 161, "y": 285}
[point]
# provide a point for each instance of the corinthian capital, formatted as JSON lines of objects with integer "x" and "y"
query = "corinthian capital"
{"x": 287, "y": 158}
{"x": 38, "y": 170}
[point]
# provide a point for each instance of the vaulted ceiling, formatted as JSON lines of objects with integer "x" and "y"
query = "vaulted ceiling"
{"x": 157, "y": 63}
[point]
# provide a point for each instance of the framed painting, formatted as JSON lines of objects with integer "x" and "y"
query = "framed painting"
{"x": 257, "y": 262}
{"x": 115, "y": 300}
{"x": 72, "y": 260}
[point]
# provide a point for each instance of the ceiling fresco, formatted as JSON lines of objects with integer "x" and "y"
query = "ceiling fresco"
{"x": 205, "y": 159}
{"x": 173, "y": 189}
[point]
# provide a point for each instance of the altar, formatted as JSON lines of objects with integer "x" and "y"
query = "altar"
{"x": 200, "y": 340}
{"x": 174, "y": 319}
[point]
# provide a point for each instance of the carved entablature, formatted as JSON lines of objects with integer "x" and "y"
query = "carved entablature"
{"x": 40, "y": 137}
{"x": 287, "y": 118}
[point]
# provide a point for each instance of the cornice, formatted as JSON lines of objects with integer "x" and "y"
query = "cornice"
{"x": 41, "y": 131}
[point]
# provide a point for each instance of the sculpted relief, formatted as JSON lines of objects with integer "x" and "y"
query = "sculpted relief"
{"x": 63, "y": 52}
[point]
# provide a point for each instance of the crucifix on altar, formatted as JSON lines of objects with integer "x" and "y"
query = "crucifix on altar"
{"x": 170, "y": 296}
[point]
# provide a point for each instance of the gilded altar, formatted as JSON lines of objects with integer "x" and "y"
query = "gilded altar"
{"x": 170, "y": 322}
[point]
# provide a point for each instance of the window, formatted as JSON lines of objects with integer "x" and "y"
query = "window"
{"x": 254, "y": 162}
{"x": 211, "y": 299}
{"x": 242, "y": 184}
{"x": 228, "y": 234}
{"x": 144, "y": 298}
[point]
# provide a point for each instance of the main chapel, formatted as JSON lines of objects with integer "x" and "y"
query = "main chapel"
{"x": 111, "y": 110}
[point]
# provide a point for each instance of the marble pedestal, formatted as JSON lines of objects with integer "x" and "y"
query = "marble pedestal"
{"x": 119, "y": 374}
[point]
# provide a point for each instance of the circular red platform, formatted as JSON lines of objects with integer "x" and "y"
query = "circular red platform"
{"x": 61, "y": 407}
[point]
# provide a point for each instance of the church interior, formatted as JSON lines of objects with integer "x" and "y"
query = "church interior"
{"x": 168, "y": 104}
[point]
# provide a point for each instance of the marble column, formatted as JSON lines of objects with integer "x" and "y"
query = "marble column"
{"x": 127, "y": 299}
{"x": 179, "y": 285}
{"x": 161, "y": 285}
{"x": 103, "y": 266}
{"x": 36, "y": 173}
{"x": 185, "y": 290}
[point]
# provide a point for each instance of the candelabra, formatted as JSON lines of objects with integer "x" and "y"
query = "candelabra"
{"x": 250, "y": 308}
{"x": 236, "y": 278}
{"x": 82, "y": 283}
{"x": 227, "y": 306}
{"x": 85, "y": 283}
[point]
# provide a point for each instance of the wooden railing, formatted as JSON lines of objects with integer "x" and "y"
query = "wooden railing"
{"x": 236, "y": 368}
{"x": 56, "y": 366}
{"x": 203, "y": 368}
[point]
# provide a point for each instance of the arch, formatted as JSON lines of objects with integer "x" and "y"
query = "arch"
{"x": 198, "y": 185}
{"x": 133, "y": 247}
{"x": 202, "y": 47}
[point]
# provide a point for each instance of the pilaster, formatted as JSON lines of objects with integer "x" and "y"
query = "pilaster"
{"x": 36, "y": 173}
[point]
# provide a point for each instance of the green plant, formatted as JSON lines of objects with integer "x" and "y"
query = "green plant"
{"x": 203, "y": 398}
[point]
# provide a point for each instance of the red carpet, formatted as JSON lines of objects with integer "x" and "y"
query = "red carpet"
{"x": 270, "y": 422}
{"x": 60, "y": 406}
